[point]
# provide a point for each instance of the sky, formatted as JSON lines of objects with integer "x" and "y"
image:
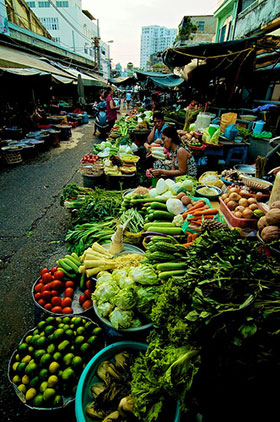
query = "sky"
{"x": 122, "y": 20}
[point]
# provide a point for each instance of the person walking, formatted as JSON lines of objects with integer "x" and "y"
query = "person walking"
{"x": 111, "y": 108}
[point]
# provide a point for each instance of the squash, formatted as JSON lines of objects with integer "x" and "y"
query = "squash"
{"x": 262, "y": 223}
{"x": 275, "y": 204}
{"x": 270, "y": 233}
{"x": 273, "y": 217}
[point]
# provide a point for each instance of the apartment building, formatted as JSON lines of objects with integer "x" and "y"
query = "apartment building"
{"x": 154, "y": 39}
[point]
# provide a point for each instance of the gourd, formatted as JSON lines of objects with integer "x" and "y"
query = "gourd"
{"x": 270, "y": 233}
{"x": 262, "y": 223}
{"x": 273, "y": 217}
{"x": 275, "y": 204}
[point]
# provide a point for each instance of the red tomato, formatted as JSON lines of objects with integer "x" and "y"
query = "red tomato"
{"x": 56, "y": 301}
{"x": 48, "y": 306}
{"x": 69, "y": 283}
{"x": 46, "y": 295}
{"x": 38, "y": 295}
{"x": 46, "y": 277}
{"x": 41, "y": 302}
{"x": 69, "y": 292}
{"x": 44, "y": 270}
{"x": 90, "y": 284}
{"x": 54, "y": 269}
{"x": 87, "y": 304}
{"x": 67, "y": 310}
{"x": 38, "y": 287}
{"x": 57, "y": 285}
{"x": 54, "y": 293}
{"x": 46, "y": 287}
{"x": 67, "y": 301}
{"x": 57, "y": 309}
{"x": 82, "y": 298}
{"x": 88, "y": 293}
{"x": 58, "y": 275}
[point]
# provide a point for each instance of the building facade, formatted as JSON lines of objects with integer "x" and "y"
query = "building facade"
{"x": 73, "y": 28}
{"x": 154, "y": 39}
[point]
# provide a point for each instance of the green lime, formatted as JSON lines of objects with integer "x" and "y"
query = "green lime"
{"x": 34, "y": 382}
{"x": 85, "y": 347}
{"x": 36, "y": 332}
{"x": 88, "y": 325}
{"x": 67, "y": 320}
{"x": 48, "y": 394}
{"x": 79, "y": 339}
{"x": 34, "y": 339}
{"x": 77, "y": 362}
{"x": 50, "y": 337}
{"x": 16, "y": 379}
{"x": 58, "y": 333}
{"x": 67, "y": 359}
{"x": 51, "y": 348}
{"x": 69, "y": 333}
{"x": 41, "y": 341}
{"x": 57, "y": 401}
{"x": 45, "y": 359}
{"x": 81, "y": 331}
{"x": 63, "y": 345}
{"x": 92, "y": 339}
{"x": 15, "y": 365}
{"x": 22, "y": 388}
{"x": 31, "y": 368}
{"x": 67, "y": 374}
{"x": 54, "y": 367}
{"x": 52, "y": 380}
{"x": 22, "y": 348}
{"x": 50, "y": 320}
{"x": 96, "y": 330}
{"x": 57, "y": 356}
{"x": 66, "y": 326}
{"x": 39, "y": 353}
{"x": 30, "y": 349}
{"x": 25, "y": 379}
{"x": 77, "y": 321}
{"x": 43, "y": 374}
{"x": 43, "y": 386}
{"x": 30, "y": 394}
{"x": 28, "y": 339}
{"x": 17, "y": 357}
{"x": 41, "y": 324}
{"x": 49, "y": 329}
{"x": 72, "y": 326}
{"x": 38, "y": 400}
{"x": 21, "y": 367}
{"x": 58, "y": 320}
{"x": 26, "y": 359}
{"x": 61, "y": 325}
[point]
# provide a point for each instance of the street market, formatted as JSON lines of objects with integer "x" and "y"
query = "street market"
{"x": 161, "y": 301}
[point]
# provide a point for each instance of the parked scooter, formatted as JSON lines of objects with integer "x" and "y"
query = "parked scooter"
{"x": 100, "y": 119}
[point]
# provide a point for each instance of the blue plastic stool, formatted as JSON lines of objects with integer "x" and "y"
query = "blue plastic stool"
{"x": 236, "y": 155}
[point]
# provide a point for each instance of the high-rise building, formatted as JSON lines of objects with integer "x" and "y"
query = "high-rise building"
{"x": 73, "y": 28}
{"x": 154, "y": 39}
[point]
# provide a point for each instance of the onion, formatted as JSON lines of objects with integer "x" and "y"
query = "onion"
{"x": 226, "y": 200}
{"x": 253, "y": 206}
{"x": 224, "y": 196}
{"x": 232, "y": 205}
{"x": 234, "y": 196}
{"x": 237, "y": 214}
{"x": 247, "y": 213}
{"x": 239, "y": 208}
{"x": 243, "y": 202}
{"x": 233, "y": 189}
{"x": 252, "y": 200}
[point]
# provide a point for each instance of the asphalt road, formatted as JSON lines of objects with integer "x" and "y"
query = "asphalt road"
{"x": 33, "y": 229}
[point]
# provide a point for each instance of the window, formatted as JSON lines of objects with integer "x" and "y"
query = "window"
{"x": 62, "y": 4}
{"x": 43, "y": 4}
{"x": 222, "y": 33}
{"x": 200, "y": 26}
{"x": 31, "y": 3}
{"x": 57, "y": 40}
{"x": 50, "y": 23}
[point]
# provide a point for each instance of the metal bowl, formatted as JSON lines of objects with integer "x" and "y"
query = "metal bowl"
{"x": 213, "y": 197}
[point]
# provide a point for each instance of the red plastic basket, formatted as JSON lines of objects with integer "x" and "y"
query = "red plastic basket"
{"x": 234, "y": 221}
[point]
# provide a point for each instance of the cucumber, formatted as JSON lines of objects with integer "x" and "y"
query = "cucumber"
{"x": 168, "y": 274}
{"x": 158, "y": 206}
{"x": 69, "y": 275}
{"x": 165, "y": 230}
{"x": 73, "y": 259}
{"x": 160, "y": 224}
{"x": 170, "y": 266}
{"x": 71, "y": 264}
{"x": 162, "y": 215}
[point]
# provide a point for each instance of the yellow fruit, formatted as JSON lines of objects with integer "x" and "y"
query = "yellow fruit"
{"x": 38, "y": 400}
{"x": 43, "y": 386}
{"x": 52, "y": 381}
{"x": 16, "y": 379}
{"x": 30, "y": 394}
{"x": 48, "y": 394}
{"x": 54, "y": 367}
{"x": 26, "y": 359}
{"x": 15, "y": 365}
{"x": 22, "y": 388}
{"x": 25, "y": 379}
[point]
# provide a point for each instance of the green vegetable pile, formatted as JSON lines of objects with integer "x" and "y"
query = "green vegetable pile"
{"x": 88, "y": 205}
{"x": 215, "y": 345}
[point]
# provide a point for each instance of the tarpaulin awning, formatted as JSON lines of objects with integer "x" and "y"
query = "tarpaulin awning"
{"x": 168, "y": 82}
{"x": 123, "y": 80}
{"x": 10, "y": 57}
{"x": 35, "y": 72}
{"x": 142, "y": 76}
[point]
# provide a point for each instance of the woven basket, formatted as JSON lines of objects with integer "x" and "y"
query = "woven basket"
{"x": 254, "y": 183}
{"x": 12, "y": 157}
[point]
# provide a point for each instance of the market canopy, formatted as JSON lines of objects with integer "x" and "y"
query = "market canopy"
{"x": 122, "y": 80}
{"x": 163, "y": 80}
{"x": 35, "y": 72}
{"x": 142, "y": 76}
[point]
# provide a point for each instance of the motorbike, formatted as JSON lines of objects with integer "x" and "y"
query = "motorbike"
{"x": 100, "y": 119}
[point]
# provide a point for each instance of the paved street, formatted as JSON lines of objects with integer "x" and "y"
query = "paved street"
{"x": 33, "y": 229}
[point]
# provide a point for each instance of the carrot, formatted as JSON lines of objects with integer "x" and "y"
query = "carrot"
{"x": 197, "y": 205}
{"x": 194, "y": 236}
{"x": 208, "y": 216}
{"x": 211, "y": 211}
{"x": 189, "y": 238}
{"x": 196, "y": 217}
{"x": 187, "y": 244}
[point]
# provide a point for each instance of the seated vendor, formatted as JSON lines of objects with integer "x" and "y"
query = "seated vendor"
{"x": 159, "y": 125}
{"x": 181, "y": 161}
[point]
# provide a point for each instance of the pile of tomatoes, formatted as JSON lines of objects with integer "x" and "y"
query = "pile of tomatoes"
{"x": 55, "y": 294}
{"x": 89, "y": 158}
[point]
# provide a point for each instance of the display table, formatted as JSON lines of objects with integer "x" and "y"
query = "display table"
{"x": 65, "y": 131}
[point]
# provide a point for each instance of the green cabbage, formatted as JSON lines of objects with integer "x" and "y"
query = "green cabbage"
{"x": 125, "y": 299}
{"x": 105, "y": 308}
{"x": 126, "y": 282}
{"x": 105, "y": 292}
{"x": 117, "y": 275}
{"x": 144, "y": 274}
{"x": 136, "y": 322}
{"x": 121, "y": 319}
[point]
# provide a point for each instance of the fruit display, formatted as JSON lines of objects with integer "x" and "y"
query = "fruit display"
{"x": 269, "y": 225}
{"x": 55, "y": 293}
{"x": 46, "y": 366}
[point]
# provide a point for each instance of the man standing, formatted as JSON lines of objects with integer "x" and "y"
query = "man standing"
{"x": 128, "y": 98}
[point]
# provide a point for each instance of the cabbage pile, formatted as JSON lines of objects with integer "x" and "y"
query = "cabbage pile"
{"x": 126, "y": 296}
{"x": 168, "y": 188}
